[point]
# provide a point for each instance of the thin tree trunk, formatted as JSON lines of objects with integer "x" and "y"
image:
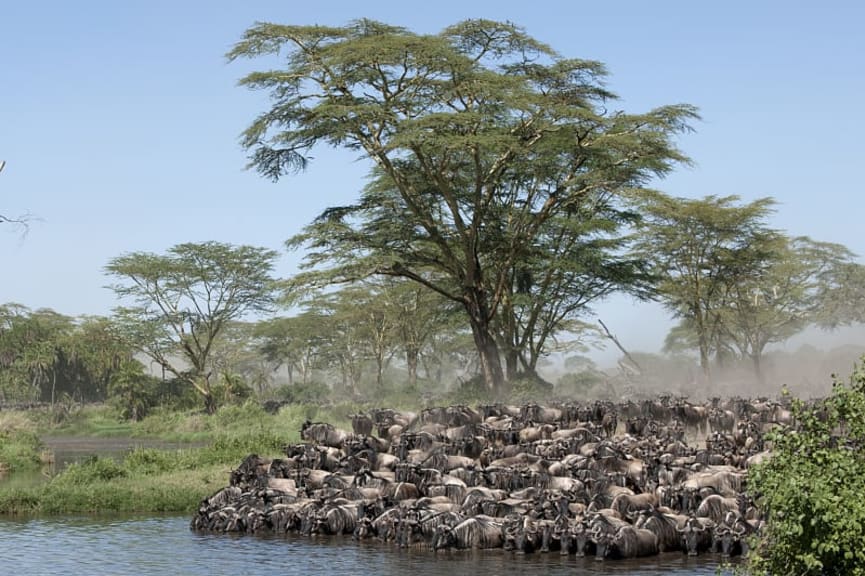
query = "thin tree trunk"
{"x": 411, "y": 361}
{"x": 512, "y": 364}
{"x": 757, "y": 360}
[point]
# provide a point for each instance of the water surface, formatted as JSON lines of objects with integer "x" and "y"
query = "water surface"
{"x": 121, "y": 545}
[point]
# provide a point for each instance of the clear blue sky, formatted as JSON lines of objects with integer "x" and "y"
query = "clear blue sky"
{"x": 120, "y": 123}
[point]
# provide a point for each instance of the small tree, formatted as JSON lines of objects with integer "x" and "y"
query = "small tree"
{"x": 132, "y": 390}
{"x": 184, "y": 300}
{"x": 811, "y": 488}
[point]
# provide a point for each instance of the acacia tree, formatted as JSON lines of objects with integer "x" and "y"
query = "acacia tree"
{"x": 45, "y": 355}
{"x": 756, "y": 311}
{"x": 183, "y": 300}
{"x": 480, "y": 135}
{"x": 842, "y": 295}
{"x": 418, "y": 316}
{"x": 296, "y": 342}
{"x": 699, "y": 248}
{"x": 30, "y": 351}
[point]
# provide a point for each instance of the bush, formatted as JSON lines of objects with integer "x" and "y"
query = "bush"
{"x": 94, "y": 469}
{"x": 304, "y": 393}
{"x": 530, "y": 388}
{"x": 132, "y": 391}
{"x": 812, "y": 488}
{"x": 580, "y": 385}
{"x": 19, "y": 450}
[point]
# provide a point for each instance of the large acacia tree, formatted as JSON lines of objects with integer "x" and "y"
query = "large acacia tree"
{"x": 480, "y": 135}
{"x": 182, "y": 302}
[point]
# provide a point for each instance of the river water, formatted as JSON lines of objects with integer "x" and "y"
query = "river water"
{"x": 121, "y": 545}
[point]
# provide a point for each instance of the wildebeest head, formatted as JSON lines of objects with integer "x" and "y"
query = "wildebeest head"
{"x": 443, "y": 537}
{"x": 604, "y": 545}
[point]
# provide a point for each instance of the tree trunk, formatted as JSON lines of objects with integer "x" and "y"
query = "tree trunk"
{"x": 488, "y": 354}
{"x": 705, "y": 363}
{"x": 411, "y": 361}
{"x": 512, "y": 364}
{"x": 379, "y": 370}
{"x": 757, "y": 360}
{"x": 209, "y": 403}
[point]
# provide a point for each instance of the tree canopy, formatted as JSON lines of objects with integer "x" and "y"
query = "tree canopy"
{"x": 494, "y": 158}
{"x": 183, "y": 301}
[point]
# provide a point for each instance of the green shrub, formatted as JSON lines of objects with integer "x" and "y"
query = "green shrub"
{"x": 530, "y": 388}
{"x": 132, "y": 391}
{"x": 812, "y": 488}
{"x": 19, "y": 450}
{"x": 304, "y": 393}
{"x": 91, "y": 470}
{"x": 580, "y": 385}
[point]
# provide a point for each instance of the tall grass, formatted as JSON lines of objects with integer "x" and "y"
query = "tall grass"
{"x": 146, "y": 480}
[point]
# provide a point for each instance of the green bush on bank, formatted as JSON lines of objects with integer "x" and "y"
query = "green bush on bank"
{"x": 19, "y": 450}
{"x": 812, "y": 489}
{"x": 146, "y": 480}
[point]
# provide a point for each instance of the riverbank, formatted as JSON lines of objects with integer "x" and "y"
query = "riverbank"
{"x": 145, "y": 480}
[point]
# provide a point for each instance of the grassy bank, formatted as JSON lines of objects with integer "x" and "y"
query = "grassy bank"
{"x": 146, "y": 480}
{"x": 20, "y": 448}
{"x": 184, "y": 426}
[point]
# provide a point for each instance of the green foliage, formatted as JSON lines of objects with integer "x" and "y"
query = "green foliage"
{"x": 502, "y": 169}
{"x": 132, "y": 391}
{"x": 19, "y": 449}
{"x": 301, "y": 393}
{"x": 94, "y": 469}
{"x": 529, "y": 388}
{"x": 183, "y": 303}
{"x": 232, "y": 389}
{"x": 45, "y": 356}
{"x": 580, "y": 385}
{"x": 146, "y": 480}
{"x": 812, "y": 488}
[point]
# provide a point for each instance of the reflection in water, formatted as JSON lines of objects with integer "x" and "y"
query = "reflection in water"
{"x": 165, "y": 545}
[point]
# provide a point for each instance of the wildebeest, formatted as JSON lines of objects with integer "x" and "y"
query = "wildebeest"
{"x": 323, "y": 433}
{"x": 697, "y": 535}
{"x": 480, "y": 531}
{"x": 715, "y": 507}
{"x": 515, "y": 480}
{"x": 627, "y": 542}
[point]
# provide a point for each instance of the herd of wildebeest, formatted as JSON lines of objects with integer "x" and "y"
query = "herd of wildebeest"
{"x": 603, "y": 479}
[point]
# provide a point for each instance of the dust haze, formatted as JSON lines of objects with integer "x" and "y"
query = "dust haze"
{"x": 804, "y": 365}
